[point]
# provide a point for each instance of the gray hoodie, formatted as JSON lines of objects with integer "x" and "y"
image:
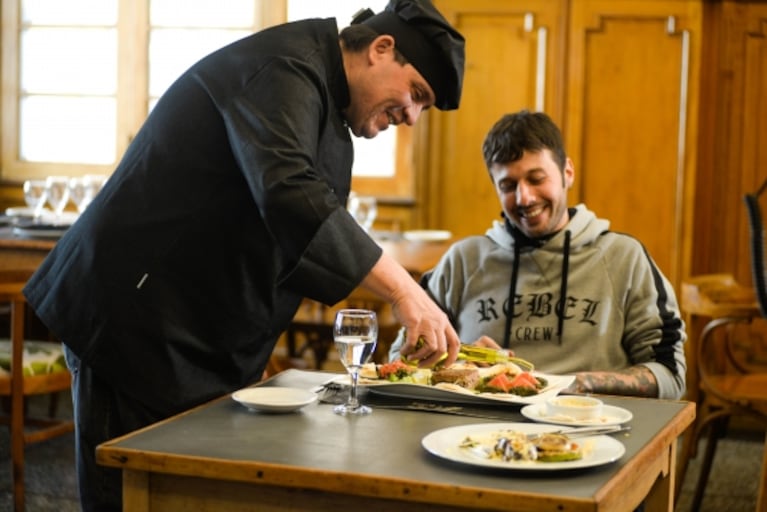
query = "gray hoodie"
{"x": 620, "y": 309}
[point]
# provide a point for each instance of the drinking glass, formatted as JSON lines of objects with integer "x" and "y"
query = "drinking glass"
{"x": 355, "y": 332}
{"x": 364, "y": 209}
{"x": 83, "y": 189}
{"x": 57, "y": 188}
{"x": 35, "y": 196}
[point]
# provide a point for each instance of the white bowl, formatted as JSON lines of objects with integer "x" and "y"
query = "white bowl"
{"x": 576, "y": 407}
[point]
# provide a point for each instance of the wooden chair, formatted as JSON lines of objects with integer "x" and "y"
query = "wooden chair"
{"x": 726, "y": 385}
{"x": 23, "y": 381}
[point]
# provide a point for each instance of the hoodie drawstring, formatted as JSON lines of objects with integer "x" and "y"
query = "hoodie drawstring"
{"x": 519, "y": 240}
{"x": 512, "y": 291}
{"x": 563, "y": 287}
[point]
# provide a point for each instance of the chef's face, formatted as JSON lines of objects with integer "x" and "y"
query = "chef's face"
{"x": 533, "y": 192}
{"x": 385, "y": 91}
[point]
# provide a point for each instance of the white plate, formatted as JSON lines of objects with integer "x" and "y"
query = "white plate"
{"x": 445, "y": 443}
{"x": 427, "y": 235}
{"x": 610, "y": 416}
{"x": 274, "y": 399}
{"x": 456, "y": 394}
{"x": 23, "y": 211}
{"x": 46, "y": 231}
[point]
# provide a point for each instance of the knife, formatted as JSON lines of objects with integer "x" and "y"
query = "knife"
{"x": 443, "y": 409}
{"x": 585, "y": 431}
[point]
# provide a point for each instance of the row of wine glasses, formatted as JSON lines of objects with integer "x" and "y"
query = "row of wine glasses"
{"x": 57, "y": 191}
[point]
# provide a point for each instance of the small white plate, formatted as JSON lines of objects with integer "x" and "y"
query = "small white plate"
{"x": 610, "y": 416}
{"x": 274, "y": 399}
{"x": 427, "y": 235}
{"x": 23, "y": 211}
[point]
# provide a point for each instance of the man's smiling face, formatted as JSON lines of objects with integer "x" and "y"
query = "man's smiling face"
{"x": 533, "y": 192}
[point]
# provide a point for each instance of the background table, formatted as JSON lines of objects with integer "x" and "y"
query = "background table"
{"x": 222, "y": 457}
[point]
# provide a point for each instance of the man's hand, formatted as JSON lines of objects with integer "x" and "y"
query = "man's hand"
{"x": 415, "y": 310}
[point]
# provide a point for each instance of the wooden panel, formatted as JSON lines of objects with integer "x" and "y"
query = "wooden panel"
{"x": 733, "y": 143}
{"x": 752, "y": 147}
{"x": 631, "y": 118}
{"x": 511, "y": 63}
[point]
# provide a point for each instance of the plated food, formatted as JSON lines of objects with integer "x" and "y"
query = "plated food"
{"x": 476, "y": 445}
{"x": 464, "y": 383}
{"x": 509, "y": 444}
{"x": 501, "y": 378}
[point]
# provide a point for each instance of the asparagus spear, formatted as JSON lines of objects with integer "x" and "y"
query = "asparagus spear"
{"x": 476, "y": 354}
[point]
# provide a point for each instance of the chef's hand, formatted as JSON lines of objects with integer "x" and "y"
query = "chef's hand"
{"x": 415, "y": 310}
{"x": 487, "y": 341}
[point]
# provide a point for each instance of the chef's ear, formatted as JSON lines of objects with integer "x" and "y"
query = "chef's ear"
{"x": 568, "y": 174}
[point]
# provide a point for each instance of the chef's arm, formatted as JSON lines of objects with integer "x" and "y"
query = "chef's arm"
{"x": 415, "y": 310}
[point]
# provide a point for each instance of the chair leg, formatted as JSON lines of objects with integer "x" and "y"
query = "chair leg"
{"x": 761, "y": 501}
{"x": 53, "y": 405}
{"x": 17, "y": 410}
{"x": 717, "y": 430}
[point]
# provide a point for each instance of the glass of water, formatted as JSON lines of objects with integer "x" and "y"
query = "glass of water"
{"x": 364, "y": 209}
{"x": 355, "y": 333}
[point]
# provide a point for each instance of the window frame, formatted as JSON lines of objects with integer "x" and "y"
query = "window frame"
{"x": 133, "y": 100}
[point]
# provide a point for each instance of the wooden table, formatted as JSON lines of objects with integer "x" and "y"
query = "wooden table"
{"x": 20, "y": 257}
{"x": 221, "y": 457}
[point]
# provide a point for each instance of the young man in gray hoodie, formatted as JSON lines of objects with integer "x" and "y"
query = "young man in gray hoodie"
{"x": 586, "y": 300}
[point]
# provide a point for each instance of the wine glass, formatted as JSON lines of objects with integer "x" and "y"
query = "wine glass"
{"x": 35, "y": 195}
{"x": 57, "y": 188}
{"x": 83, "y": 189}
{"x": 364, "y": 209}
{"x": 355, "y": 333}
{"x": 79, "y": 192}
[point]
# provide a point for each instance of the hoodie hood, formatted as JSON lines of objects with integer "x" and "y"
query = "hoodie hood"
{"x": 583, "y": 228}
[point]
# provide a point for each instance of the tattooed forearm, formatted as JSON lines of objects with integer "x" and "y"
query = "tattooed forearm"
{"x": 635, "y": 381}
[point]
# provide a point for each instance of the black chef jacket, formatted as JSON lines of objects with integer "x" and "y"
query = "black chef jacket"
{"x": 226, "y": 209}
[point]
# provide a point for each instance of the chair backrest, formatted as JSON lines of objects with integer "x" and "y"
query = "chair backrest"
{"x": 758, "y": 261}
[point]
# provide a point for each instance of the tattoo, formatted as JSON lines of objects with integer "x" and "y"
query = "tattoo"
{"x": 634, "y": 381}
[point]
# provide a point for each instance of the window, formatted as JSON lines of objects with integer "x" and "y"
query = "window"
{"x": 89, "y": 71}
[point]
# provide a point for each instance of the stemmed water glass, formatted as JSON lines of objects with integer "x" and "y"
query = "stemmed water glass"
{"x": 57, "y": 188}
{"x": 35, "y": 196}
{"x": 83, "y": 189}
{"x": 355, "y": 332}
{"x": 364, "y": 209}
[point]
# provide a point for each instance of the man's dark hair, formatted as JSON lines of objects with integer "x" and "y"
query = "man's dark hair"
{"x": 357, "y": 38}
{"x": 508, "y": 139}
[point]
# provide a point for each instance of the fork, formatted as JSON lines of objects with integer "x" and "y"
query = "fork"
{"x": 584, "y": 431}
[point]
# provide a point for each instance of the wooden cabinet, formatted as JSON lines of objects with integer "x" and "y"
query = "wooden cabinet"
{"x": 620, "y": 77}
{"x": 631, "y": 124}
{"x": 733, "y": 141}
{"x": 513, "y": 60}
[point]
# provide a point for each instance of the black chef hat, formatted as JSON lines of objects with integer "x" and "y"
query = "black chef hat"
{"x": 427, "y": 41}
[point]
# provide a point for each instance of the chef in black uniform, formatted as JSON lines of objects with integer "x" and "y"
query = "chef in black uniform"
{"x": 226, "y": 210}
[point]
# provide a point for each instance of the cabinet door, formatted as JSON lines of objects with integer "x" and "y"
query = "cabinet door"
{"x": 734, "y": 144}
{"x": 513, "y": 61}
{"x": 633, "y": 68}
